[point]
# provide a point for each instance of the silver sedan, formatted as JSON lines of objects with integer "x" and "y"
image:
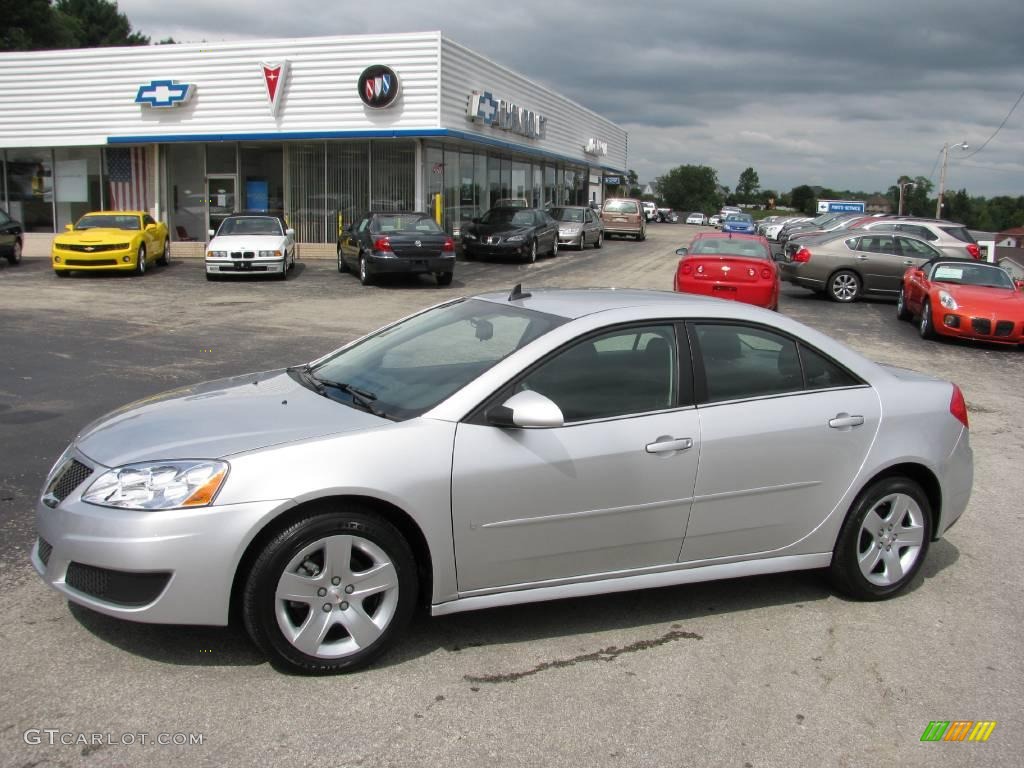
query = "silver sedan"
{"x": 578, "y": 225}
{"x": 505, "y": 449}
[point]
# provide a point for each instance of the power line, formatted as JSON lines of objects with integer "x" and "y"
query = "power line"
{"x": 965, "y": 157}
{"x": 935, "y": 166}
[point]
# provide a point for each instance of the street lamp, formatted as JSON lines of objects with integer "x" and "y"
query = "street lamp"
{"x": 903, "y": 186}
{"x": 942, "y": 178}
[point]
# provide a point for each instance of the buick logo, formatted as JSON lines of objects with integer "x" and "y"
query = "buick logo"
{"x": 378, "y": 86}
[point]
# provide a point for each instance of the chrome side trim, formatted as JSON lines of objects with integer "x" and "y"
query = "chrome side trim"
{"x": 681, "y": 575}
{"x": 756, "y": 491}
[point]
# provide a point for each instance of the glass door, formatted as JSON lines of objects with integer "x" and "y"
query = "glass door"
{"x": 220, "y": 199}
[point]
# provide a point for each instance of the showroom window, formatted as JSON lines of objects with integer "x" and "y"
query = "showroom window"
{"x": 30, "y": 188}
{"x": 262, "y": 182}
{"x": 392, "y": 175}
{"x": 186, "y": 182}
{"x": 77, "y": 184}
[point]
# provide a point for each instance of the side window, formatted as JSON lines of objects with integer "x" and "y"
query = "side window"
{"x": 587, "y": 218}
{"x": 822, "y": 373}
{"x": 626, "y": 371}
{"x": 147, "y": 220}
{"x": 878, "y": 244}
{"x": 364, "y": 224}
{"x": 916, "y": 248}
{"x": 4, "y": 218}
{"x": 741, "y": 362}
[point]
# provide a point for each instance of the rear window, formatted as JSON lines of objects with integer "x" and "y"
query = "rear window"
{"x": 620, "y": 206}
{"x": 751, "y": 249}
{"x": 960, "y": 233}
{"x": 404, "y": 223}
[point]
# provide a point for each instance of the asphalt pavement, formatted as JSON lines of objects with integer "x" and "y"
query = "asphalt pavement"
{"x": 768, "y": 671}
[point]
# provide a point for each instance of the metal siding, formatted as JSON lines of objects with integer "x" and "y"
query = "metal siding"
{"x": 83, "y": 97}
{"x": 569, "y": 125}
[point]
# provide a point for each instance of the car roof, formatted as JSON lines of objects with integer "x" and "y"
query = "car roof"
{"x": 729, "y": 236}
{"x": 572, "y": 303}
{"x": 402, "y": 213}
{"x": 255, "y": 214}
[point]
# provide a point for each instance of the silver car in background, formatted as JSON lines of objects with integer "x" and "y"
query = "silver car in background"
{"x": 953, "y": 239}
{"x": 505, "y": 449}
{"x": 577, "y": 226}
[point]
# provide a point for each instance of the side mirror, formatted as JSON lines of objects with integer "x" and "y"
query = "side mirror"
{"x": 526, "y": 410}
{"x": 212, "y": 233}
{"x": 1019, "y": 284}
{"x": 69, "y": 227}
{"x": 682, "y": 251}
{"x": 151, "y": 227}
{"x": 290, "y": 232}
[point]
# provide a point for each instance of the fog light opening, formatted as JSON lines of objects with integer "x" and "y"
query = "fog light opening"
{"x": 126, "y": 259}
{"x": 951, "y": 321}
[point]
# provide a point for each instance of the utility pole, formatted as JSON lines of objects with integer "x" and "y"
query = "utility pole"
{"x": 942, "y": 176}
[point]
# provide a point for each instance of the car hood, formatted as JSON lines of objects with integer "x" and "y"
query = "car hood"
{"x": 97, "y": 236}
{"x": 502, "y": 230}
{"x": 217, "y": 419}
{"x": 247, "y": 242}
{"x": 978, "y": 296}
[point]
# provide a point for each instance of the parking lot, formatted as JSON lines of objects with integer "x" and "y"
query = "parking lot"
{"x": 769, "y": 671}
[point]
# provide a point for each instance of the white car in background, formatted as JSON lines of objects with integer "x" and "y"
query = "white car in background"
{"x": 251, "y": 244}
{"x": 697, "y": 218}
{"x": 650, "y": 210}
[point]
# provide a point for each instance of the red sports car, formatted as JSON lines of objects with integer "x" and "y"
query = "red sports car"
{"x": 963, "y": 298}
{"x": 729, "y": 266}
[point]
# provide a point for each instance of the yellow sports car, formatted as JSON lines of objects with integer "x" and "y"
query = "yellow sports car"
{"x": 122, "y": 240}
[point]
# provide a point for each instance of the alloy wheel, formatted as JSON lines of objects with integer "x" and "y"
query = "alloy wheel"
{"x": 890, "y": 540}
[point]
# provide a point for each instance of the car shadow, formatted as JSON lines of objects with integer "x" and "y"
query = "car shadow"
{"x": 230, "y": 646}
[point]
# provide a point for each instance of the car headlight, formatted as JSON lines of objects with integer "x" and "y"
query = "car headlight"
{"x": 158, "y": 485}
{"x": 270, "y": 254}
{"x": 216, "y": 254}
{"x": 948, "y": 301}
{"x": 516, "y": 238}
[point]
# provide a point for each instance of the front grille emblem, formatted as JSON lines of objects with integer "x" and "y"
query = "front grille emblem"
{"x": 418, "y": 244}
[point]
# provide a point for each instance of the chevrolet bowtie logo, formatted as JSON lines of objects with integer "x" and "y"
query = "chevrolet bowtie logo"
{"x": 164, "y": 93}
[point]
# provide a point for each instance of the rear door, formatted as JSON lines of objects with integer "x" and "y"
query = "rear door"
{"x": 879, "y": 263}
{"x": 784, "y": 431}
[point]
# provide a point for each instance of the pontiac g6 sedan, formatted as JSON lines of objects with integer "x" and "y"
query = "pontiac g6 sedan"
{"x": 505, "y": 449}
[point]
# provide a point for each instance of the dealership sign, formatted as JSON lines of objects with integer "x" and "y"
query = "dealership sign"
{"x": 164, "y": 93}
{"x": 378, "y": 86}
{"x": 596, "y": 147}
{"x": 506, "y": 115}
{"x": 274, "y": 76}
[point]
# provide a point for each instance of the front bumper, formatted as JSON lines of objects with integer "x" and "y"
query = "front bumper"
{"x": 476, "y": 248}
{"x": 961, "y": 325}
{"x": 245, "y": 266}
{"x": 571, "y": 238}
{"x": 125, "y": 259}
{"x": 170, "y": 567}
{"x": 391, "y": 265}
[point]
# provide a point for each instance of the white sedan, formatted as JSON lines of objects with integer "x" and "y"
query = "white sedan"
{"x": 251, "y": 244}
{"x": 697, "y": 218}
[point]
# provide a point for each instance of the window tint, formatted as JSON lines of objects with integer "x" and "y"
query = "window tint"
{"x": 960, "y": 233}
{"x": 822, "y": 373}
{"x": 911, "y": 247}
{"x": 620, "y": 206}
{"x": 877, "y": 244}
{"x": 917, "y": 231}
{"x": 622, "y": 372}
{"x": 147, "y": 220}
{"x": 744, "y": 362}
{"x": 4, "y": 218}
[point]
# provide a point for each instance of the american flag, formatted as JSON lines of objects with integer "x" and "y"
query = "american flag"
{"x": 127, "y": 173}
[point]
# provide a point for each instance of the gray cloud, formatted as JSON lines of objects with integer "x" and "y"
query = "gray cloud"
{"x": 849, "y": 96}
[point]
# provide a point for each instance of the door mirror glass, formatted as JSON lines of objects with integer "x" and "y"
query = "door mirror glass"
{"x": 69, "y": 227}
{"x": 290, "y": 232}
{"x": 682, "y": 251}
{"x": 212, "y": 233}
{"x": 527, "y": 410}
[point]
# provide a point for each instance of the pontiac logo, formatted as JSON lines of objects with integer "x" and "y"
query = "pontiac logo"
{"x": 378, "y": 86}
{"x": 418, "y": 244}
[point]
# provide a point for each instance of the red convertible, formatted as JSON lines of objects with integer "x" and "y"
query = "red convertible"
{"x": 963, "y": 298}
{"x": 729, "y": 266}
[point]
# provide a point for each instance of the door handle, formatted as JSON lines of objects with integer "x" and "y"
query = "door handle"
{"x": 845, "y": 421}
{"x": 669, "y": 445}
{"x": 908, "y": 262}
{"x": 862, "y": 257}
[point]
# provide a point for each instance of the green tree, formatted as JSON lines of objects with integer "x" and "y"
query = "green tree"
{"x": 802, "y": 199}
{"x": 32, "y": 25}
{"x": 769, "y": 198}
{"x": 748, "y": 185}
{"x": 98, "y": 23}
{"x": 690, "y": 188}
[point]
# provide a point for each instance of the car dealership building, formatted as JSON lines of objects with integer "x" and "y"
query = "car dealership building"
{"x": 323, "y": 128}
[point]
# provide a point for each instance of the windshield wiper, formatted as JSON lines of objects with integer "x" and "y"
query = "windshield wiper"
{"x": 360, "y": 397}
{"x": 308, "y": 377}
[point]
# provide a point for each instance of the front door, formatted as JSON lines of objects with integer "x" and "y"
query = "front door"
{"x": 607, "y": 492}
{"x": 220, "y": 199}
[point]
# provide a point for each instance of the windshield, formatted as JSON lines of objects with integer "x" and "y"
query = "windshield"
{"x": 743, "y": 218}
{"x": 508, "y": 217}
{"x": 404, "y": 222}
{"x": 620, "y": 206}
{"x": 725, "y": 246}
{"x": 108, "y": 221}
{"x": 249, "y": 225}
{"x": 410, "y": 367}
{"x": 985, "y": 275}
{"x": 567, "y": 214}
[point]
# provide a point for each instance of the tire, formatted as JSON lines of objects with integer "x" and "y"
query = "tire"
{"x": 844, "y": 286}
{"x": 554, "y": 247}
{"x": 444, "y": 278}
{"x": 165, "y": 256}
{"x": 600, "y": 239}
{"x": 883, "y": 541}
{"x": 643, "y": 235}
{"x": 15, "y": 255}
{"x": 902, "y": 313}
{"x": 342, "y": 265}
{"x": 531, "y": 257}
{"x": 924, "y": 325}
{"x": 140, "y": 261}
{"x": 583, "y": 241}
{"x": 364, "y": 274}
{"x": 353, "y": 562}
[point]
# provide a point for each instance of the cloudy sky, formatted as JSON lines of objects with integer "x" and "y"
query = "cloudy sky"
{"x": 845, "y": 95}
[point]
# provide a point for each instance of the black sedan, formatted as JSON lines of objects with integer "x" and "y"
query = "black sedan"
{"x": 511, "y": 232}
{"x": 10, "y": 238}
{"x": 389, "y": 243}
